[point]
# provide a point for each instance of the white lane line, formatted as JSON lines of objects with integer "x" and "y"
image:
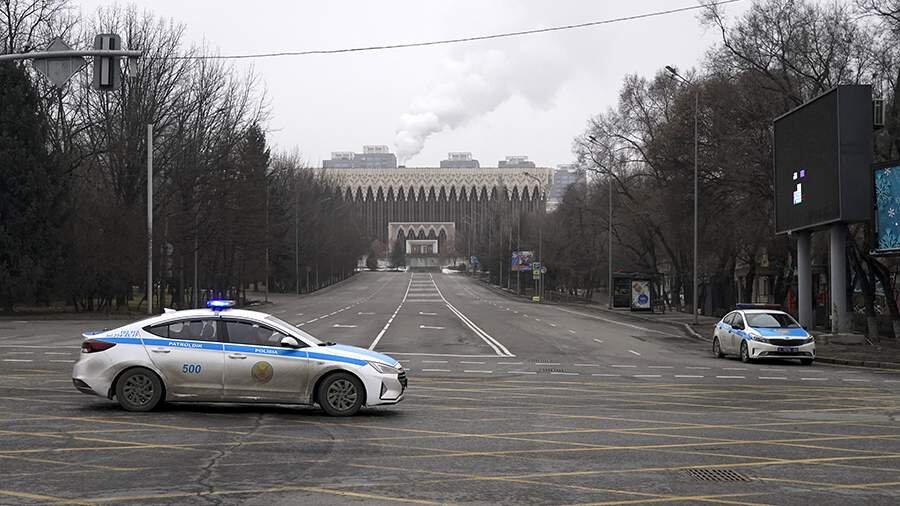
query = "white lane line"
{"x": 498, "y": 348}
{"x": 606, "y": 375}
{"x": 696, "y": 367}
{"x": 552, "y": 324}
{"x": 64, "y": 361}
{"x": 536, "y": 319}
{"x": 564, "y": 374}
{"x": 731, "y": 377}
{"x": 572, "y": 332}
{"x": 855, "y": 379}
{"x": 660, "y": 367}
{"x": 478, "y": 371}
{"x": 688, "y": 376}
{"x": 509, "y": 363}
{"x": 453, "y": 355}
{"x": 617, "y": 365}
{"x": 435, "y": 370}
{"x": 427, "y": 314}
{"x": 892, "y": 381}
{"x": 17, "y": 360}
{"x": 367, "y": 314}
{"x": 636, "y": 353}
{"x": 813, "y": 379}
{"x": 56, "y": 353}
{"x": 383, "y": 330}
{"x": 637, "y": 327}
{"x": 772, "y": 377}
{"x": 299, "y": 314}
{"x": 340, "y": 326}
{"x": 470, "y": 362}
{"x": 522, "y": 372}
{"x": 515, "y": 312}
{"x": 647, "y": 376}
{"x": 434, "y": 361}
{"x": 546, "y": 363}
{"x": 586, "y": 365}
{"x": 430, "y": 327}
{"x": 596, "y": 340}
{"x": 734, "y": 368}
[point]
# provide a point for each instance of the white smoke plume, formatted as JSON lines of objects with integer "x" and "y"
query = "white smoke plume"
{"x": 477, "y": 83}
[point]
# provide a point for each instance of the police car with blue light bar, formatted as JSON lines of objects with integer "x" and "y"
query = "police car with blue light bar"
{"x": 222, "y": 354}
{"x": 761, "y": 331}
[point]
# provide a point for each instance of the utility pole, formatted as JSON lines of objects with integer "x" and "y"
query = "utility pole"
{"x": 267, "y": 238}
{"x": 150, "y": 219}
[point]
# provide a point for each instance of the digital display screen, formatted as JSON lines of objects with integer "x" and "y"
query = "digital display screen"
{"x": 887, "y": 208}
{"x": 806, "y": 166}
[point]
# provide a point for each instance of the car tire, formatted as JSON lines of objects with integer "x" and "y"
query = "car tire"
{"x": 139, "y": 389}
{"x": 745, "y": 353}
{"x": 717, "y": 348}
{"x": 806, "y": 361}
{"x": 341, "y": 394}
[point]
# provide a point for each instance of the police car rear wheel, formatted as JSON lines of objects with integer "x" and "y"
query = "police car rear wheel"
{"x": 745, "y": 353}
{"x": 139, "y": 390}
{"x": 341, "y": 394}
{"x": 717, "y": 348}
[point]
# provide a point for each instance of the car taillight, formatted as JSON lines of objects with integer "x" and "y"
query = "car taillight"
{"x": 92, "y": 346}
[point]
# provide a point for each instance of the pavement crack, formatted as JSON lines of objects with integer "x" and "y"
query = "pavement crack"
{"x": 207, "y": 471}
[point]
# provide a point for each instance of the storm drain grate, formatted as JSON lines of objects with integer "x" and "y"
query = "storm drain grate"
{"x": 717, "y": 475}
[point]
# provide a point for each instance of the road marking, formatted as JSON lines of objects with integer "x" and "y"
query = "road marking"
{"x": 299, "y": 314}
{"x": 696, "y": 367}
{"x": 522, "y": 372}
{"x": 636, "y": 353}
{"x": 647, "y": 376}
{"x": 564, "y": 373}
{"x": 772, "y": 377}
{"x": 637, "y": 327}
{"x": 367, "y": 314}
{"x": 586, "y": 365}
{"x": 597, "y": 340}
{"x": 536, "y": 319}
{"x": 572, "y": 332}
{"x": 813, "y": 379}
{"x": 413, "y": 354}
{"x": 63, "y": 361}
{"x": 509, "y": 363}
{"x": 617, "y": 365}
{"x": 435, "y": 370}
{"x": 434, "y": 361}
{"x": 734, "y": 368}
{"x": 731, "y": 377}
{"x": 660, "y": 367}
{"x": 383, "y": 330}
{"x": 478, "y": 371}
{"x": 339, "y": 326}
{"x": 56, "y": 353}
{"x": 430, "y": 327}
{"x": 552, "y": 324}
{"x": 17, "y": 360}
{"x": 546, "y": 363}
{"x": 427, "y": 314}
{"x": 498, "y": 348}
{"x": 604, "y": 374}
{"x": 470, "y": 362}
{"x": 688, "y": 376}
{"x": 20, "y": 353}
{"x": 854, "y": 379}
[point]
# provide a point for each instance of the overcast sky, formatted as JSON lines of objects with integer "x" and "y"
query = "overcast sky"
{"x": 522, "y": 96}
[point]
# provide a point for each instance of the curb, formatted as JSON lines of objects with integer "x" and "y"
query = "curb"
{"x": 869, "y": 364}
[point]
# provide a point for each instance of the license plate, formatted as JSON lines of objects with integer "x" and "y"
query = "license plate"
{"x": 789, "y": 350}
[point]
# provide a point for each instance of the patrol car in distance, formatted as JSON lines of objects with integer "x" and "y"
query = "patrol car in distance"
{"x": 754, "y": 333}
{"x": 222, "y": 354}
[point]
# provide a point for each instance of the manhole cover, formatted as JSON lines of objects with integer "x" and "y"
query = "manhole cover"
{"x": 717, "y": 475}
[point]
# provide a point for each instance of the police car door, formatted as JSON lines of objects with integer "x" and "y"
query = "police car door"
{"x": 189, "y": 356}
{"x": 737, "y": 329}
{"x": 259, "y": 369}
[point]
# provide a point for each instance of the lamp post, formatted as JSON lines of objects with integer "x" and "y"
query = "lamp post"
{"x": 671, "y": 70}
{"x": 609, "y": 233}
{"x": 540, "y": 235}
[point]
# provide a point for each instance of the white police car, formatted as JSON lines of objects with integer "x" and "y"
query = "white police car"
{"x": 231, "y": 355}
{"x": 762, "y": 333}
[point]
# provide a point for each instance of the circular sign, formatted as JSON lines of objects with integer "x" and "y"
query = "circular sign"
{"x": 643, "y": 299}
{"x": 262, "y": 372}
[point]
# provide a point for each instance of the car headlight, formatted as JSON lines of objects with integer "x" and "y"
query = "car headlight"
{"x": 757, "y": 337}
{"x": 809, "y": 339}
{"x": 386, "y": 369}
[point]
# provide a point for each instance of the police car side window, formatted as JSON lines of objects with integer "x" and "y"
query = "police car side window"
{"x": 252, "y": 333}
{"x": 729, "y": 319}
{"x": 195, "y": 330}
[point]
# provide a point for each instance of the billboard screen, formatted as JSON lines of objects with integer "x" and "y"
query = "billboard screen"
{"x": 521, "y": 261}
{"x": 823, "y": 154}
{"x": 887, "y": 208}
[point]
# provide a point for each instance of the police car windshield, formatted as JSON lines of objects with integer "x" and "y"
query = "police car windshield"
{"x": 294, "y": 330}
{"x": 771, "y": 321}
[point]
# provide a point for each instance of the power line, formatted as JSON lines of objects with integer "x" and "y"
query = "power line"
{"x": 450, "y": 41}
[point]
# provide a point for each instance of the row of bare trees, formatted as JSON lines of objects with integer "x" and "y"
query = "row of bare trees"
{"x": 222, "y": 200}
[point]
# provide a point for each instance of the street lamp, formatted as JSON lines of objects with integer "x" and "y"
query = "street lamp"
{"x": 671, "y": 70}
{"x": 609, "y": 234}
{"x": 540, "y": 234}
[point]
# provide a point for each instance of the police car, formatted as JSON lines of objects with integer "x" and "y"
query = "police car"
{"x": 222, "y": 354}
{"x": 754, "y": 333}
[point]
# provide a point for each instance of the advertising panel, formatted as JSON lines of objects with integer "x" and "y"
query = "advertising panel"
{"x": 640, "y": 295}
{"x": 521, "y": 261}
{"x": 887, "y": 208}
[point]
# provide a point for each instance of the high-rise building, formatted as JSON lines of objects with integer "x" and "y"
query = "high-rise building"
{"x": 372, "y": 157}
{"x": 564, "y": 176}
{"x": 459, "y": 160}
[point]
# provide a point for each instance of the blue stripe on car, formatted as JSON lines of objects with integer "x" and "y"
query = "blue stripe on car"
{"x": 362, "y": 351}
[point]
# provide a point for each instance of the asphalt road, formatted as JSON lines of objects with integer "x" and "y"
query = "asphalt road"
{"x": 509, "y": 403}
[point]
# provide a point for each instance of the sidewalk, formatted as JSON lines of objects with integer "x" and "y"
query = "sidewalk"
{"x": 829, "y": 350}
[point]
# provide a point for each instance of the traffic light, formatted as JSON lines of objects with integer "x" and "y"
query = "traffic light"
{"x": 107, "y": 69}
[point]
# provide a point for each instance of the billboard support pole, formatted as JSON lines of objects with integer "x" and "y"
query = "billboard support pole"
{"x": 838, "y": 274}
{"x": 804, "y": 279}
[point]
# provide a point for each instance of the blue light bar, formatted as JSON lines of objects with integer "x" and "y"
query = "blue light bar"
{"x": 218, "y": 304}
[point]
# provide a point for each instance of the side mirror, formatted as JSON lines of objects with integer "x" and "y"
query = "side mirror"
{"x": 289, "y": 342}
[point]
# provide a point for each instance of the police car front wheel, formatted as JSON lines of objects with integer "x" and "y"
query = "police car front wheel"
{"x": 745, "y": 353}
{"x": 139, "y": 389}
{"x": 341, "y": 394}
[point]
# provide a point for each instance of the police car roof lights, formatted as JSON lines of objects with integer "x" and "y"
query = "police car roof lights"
{"x": 219, "y": 304}
{"x": 745, "y": 305}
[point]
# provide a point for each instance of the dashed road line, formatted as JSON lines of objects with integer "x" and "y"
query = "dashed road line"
{"x": 391, "y": 319}
{"x": 634, "y": 352}
{"x": 470, "y": 362}
{"x": 597, "y": 340}
{"x": 772, "y": 377}
{"x": 731, "y": 377}
{"x": 436, "y": 370}
{"x": 688, "y": 376}
{"x": 478, "y": 371}
{"x": 618, "y": 365}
